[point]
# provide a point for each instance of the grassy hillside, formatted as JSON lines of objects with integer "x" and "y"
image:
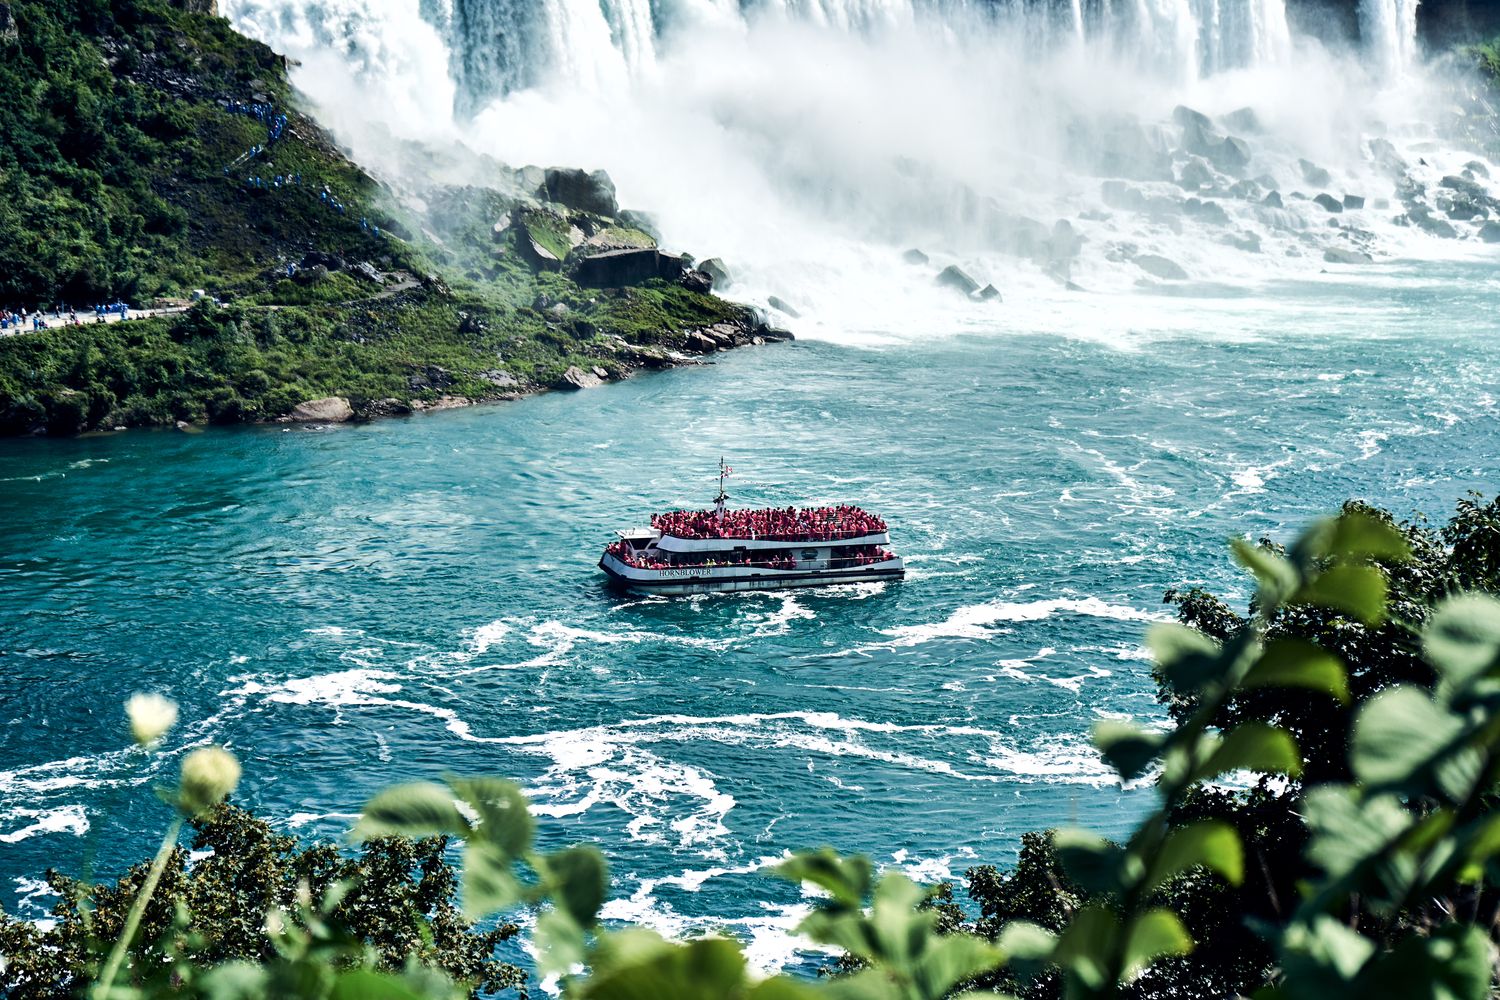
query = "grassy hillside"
{"x": 144, "y": 158}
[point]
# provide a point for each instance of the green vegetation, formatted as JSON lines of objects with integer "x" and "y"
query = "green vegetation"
{"x": 1363, "y": 688}
{"x": 113, "y": 185}
{"x": 1487, "y": 56}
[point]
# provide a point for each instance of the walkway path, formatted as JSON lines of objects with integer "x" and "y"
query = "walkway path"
{"x": 52, "y": 321}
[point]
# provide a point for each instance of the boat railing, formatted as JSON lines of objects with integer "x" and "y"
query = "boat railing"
{"x": 777, "y": 564}
{"x": 800, "y": 538}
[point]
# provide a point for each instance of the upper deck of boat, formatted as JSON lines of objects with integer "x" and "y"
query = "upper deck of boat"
{"x": 684, "y": 531}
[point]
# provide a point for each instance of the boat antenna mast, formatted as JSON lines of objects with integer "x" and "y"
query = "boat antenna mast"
{"x": 724, "y": 473}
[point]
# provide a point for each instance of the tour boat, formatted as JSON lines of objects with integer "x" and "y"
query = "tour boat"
{"x": 722, "y": 550}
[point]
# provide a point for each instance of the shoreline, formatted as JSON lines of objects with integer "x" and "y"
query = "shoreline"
{"x": 339, "y": 410}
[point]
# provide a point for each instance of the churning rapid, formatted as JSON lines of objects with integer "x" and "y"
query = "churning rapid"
{"x": 1055, "y": 148}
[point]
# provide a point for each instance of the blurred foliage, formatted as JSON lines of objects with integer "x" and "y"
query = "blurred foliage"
{"x": 259, "y": 897}
{"x": 1423, "y": 566}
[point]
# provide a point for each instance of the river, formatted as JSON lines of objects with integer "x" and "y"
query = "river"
{"x": 353, "y": 606}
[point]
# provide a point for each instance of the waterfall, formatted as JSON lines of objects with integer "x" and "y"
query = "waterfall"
{"x": 1238, "y": 33}
{"x": 1388, "y": 29}
{"x": 496, "y": 47}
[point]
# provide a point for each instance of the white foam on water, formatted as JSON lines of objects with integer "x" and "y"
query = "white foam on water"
{"x": 976, "y": 621}
{"x": 60, "y": 775}
{"x": 301, "y": 819}
{"x": 60, "y": 819}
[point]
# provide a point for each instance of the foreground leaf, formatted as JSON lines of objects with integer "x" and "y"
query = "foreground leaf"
{"x": 1212, "y": 844}
{"x": 1400, "y": 736}
{"x": 1187, "y": 658}
{"x": 1154, "y": 934}
{"x": 846, "y": 879}
{"x": 1126, "y": 747}
{"x": 1355, "y": 535}
{"x": 1252, "y": 746}
{"x": 418, "y": 809}
{"x": 1463, "y": 638}
{"x": 504, "y": 817}
{"x": 1090, "y": 860}
{"x": 1453, "y": 963}
{"x": 1295, "y": 663}
{"x": 1277, "y": 577}
{"x": 1083, "y": 948}
{"x": 580, "y": 882}
{"x": 1356, "y": 590}
{"x": 489, "y": 884}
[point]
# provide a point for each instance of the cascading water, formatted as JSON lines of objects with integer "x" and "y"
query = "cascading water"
{"x": 1389, "y": 30}
{"x": 1032, "y": 142}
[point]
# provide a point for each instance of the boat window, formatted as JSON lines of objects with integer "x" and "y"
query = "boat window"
{"x": 809, "y": 554}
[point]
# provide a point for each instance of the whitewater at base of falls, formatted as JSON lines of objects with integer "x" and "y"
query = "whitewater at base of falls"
{"x": 810, "y": 145}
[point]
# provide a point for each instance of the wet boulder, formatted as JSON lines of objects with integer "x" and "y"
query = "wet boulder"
{"x": 915, "y": 257}
{"x": 1018, "y": 235}
{"x": 1329, "y": 202}
{"x": 781, "y": 305}
{"x": 1123, "y": 147}
{"x": 580, "y": 190}
{"x": 699, "y": 343}
{"x": 1230, "y": 154}
{"x": 1195, "y": 174}
{"x": 1421, "y": 217}
{"x": 631, "y": 266}
{"x": 1341, "y": 255}
{"x": 1490, "y": 232}
{"x": 1314, "y": 174}
{"x": 1186, "y": 116}
{"x": 1353, "y": 202}
{"x": 1200, "y": 139}
{"x": 1245, "y": 190}
{"x": 1470, "y": 189}
{"x": 1210, "y": 212}
{"x": 1476, "y": 168}
{"x": 956, "y": 278}
{"x": 989, "y": 293}
{"x": 716, "y": 269}
{"x": 327, "y": 410}
{"x": 697, "y": 281}
{"x": 643, "y": 221}
{"x": 1160, "y": 267}
{"x": 1243, "y": 120}
{"x": 1065, "y": 242}
{"x": 577, "y": 378}
{"x": 1387, "y": 158}
{"x": 1273, "y": 200}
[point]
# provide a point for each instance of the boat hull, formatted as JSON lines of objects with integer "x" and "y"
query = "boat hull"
{"x": 726, "y": 582}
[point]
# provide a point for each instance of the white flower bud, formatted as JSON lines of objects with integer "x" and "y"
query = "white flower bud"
{"x": 150, "y": 716}
{"x": 208, "y": 775}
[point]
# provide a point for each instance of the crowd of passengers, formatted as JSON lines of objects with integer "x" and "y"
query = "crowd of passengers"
{"x": 861, "y": 555}
{"x": 813, "y": 524}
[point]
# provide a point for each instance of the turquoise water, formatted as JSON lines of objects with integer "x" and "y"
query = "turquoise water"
{"x": 354, "y": 606}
